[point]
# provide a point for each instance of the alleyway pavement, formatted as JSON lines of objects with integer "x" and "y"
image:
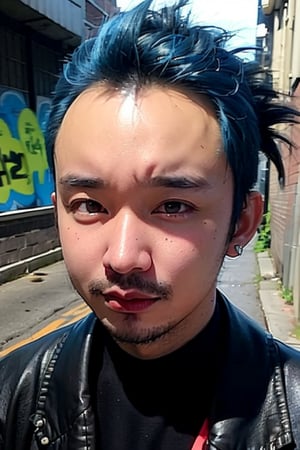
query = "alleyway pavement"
{"x": 238, "y": 280}
{"x": 250, "y": 282}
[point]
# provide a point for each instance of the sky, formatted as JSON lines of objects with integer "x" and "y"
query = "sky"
{"x": 233, "y": 15}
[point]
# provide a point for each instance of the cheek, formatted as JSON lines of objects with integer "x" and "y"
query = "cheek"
{"x": 78, "y": 246}
{"x": 72, "y": 235}
{"x": 202, "y": 250}
{"x": 207, "y": 236}
{"x": 178, "y": 256}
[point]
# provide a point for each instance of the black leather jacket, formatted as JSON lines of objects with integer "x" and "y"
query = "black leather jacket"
{"x": 46, "y": 399}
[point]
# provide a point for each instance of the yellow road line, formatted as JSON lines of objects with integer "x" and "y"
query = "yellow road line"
{"x": 68, "y": 317}
{"x": 78, "y": 316}
{"x": 73, "y": 311}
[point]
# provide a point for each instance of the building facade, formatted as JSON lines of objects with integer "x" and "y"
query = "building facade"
{"x": 97, "y": 11}
{"x": 36, "y": 37}
{"x": 284, "y": 16}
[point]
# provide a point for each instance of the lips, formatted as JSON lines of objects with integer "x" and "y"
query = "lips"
{"x": 129, "y": 302}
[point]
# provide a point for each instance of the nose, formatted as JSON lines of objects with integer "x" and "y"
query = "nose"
{"x": 127, "y": 250}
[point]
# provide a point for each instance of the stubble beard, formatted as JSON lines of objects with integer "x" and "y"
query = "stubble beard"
{"x": 130, "y": 332}
{"x": 135, "y": 336}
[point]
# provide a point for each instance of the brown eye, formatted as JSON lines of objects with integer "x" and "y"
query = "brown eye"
{"x": 88, "y": 207}
{"x": 173, "y": 207}
{"x": 93, "y": 207}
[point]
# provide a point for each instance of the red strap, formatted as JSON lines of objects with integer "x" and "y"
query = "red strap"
{"x": 202, "y": 437}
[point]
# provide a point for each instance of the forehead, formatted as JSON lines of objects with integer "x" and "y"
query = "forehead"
{"x": 157, "y": 128}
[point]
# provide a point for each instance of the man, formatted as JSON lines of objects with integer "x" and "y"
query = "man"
{"x": 155, "y": 131}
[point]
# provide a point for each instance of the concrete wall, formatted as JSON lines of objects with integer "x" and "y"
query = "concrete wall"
{"x": 67, "y": 13}
{"x": 28, "y": 240}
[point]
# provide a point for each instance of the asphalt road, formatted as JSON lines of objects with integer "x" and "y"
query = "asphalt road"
{"x": 34, "y": 301}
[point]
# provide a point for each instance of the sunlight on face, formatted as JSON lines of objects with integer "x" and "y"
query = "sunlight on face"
{"x": 128, "y": 113}
{"x": 144, "y": 200}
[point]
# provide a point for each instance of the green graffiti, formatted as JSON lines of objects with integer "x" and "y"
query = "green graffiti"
{"x": 25, "y": 177}
{"x": 32, "y": 138}
{"x": 14, "y": 171}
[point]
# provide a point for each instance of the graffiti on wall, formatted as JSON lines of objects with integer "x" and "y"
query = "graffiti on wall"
{"x": 25, "y": 178}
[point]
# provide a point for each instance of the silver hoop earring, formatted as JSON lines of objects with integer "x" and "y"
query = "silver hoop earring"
{"x": 239, "y": 249}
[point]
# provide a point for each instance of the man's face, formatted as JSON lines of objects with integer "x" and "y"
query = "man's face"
{"x": 144, "y": 200}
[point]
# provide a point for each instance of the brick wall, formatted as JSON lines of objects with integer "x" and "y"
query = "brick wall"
{"x": 282, "y": 202}
{"x": 95, "y": 17}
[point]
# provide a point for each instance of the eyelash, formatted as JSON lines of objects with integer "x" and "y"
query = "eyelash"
{"x": 187, "y": 208}
{"x": 75, "y": 207}
{"x": 92, "y": 208}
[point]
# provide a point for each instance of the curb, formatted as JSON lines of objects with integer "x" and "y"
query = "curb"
{"x": 279, "y": 316}
{"x": 20, "y": 268}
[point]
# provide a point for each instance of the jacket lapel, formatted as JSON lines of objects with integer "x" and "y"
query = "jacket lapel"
{"x": 64, "y": 407}
{"x": 250, "y": 407}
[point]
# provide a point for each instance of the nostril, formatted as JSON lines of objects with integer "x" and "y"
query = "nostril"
{"x": 109, "y": 271}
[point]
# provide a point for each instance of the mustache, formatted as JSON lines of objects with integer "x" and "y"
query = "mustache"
{"x": 133, "y": 281}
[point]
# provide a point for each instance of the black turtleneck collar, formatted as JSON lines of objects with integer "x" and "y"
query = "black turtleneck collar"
{"x": 168, "y": 395}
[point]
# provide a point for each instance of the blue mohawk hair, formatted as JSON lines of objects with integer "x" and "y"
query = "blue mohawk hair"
{"x": 141, "y": 47}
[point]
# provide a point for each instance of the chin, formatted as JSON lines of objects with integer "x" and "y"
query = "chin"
{"x": 144, "y": 343}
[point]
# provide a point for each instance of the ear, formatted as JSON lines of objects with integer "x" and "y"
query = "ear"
{"x": 54, "y": 201}
{"x": 247, "y": 225}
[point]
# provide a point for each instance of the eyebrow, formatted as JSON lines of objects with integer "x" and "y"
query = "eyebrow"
{"x": 167, "y": 181}
{"x": 84, "y": 182}
{"x": 180, "y": 182}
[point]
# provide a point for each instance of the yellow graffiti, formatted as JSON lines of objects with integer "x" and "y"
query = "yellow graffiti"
{"x": 32, "y": 138}
{"x": 14, "y": 170}
{"x": 25, "y": 177}
{"x": 4, "y": 129}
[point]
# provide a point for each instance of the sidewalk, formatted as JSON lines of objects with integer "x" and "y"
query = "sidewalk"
{"x": 279, "y": 315}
